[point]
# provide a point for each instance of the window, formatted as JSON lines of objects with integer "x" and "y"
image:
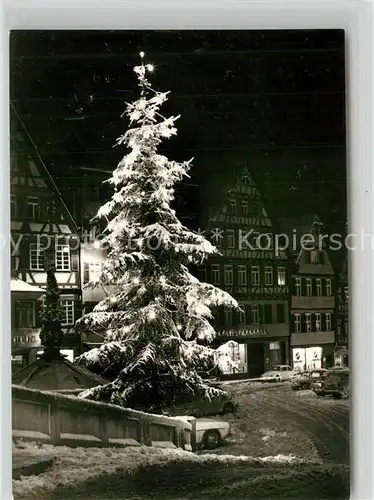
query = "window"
{"x": 36, "y": 258}
{"x": 267, "y": 241}
{"x": 308, "y": 287}
{"x": 232, "y": 207}
{"x": 236, "y": 360}
{"x": 217, "y": 237}
{"x": 228, "y": 317}
{"x": 94, "y": 270}
{"x": 202, "y": 273}
{"x": 68, "y": 308}
{"x": 230, "y": 239}
{"x": 281, "y": 313}
{"x": 268, "y": 313}
{"x": 254, "y": 209}
{"x": 328, "y": 287}
{"x": 281, "y": 276}
{"x": 328, "y": 321}
{"x": 215, "y": 274}
{"x": 319, "y": 287}
{"x": 268, "y": 276}
{"x": 241, "y": 315}
{"x": 313, "y": 257}
{"x": 255, "y": 314}
{"x": 228, "y": 275}
{"x": 51, "y": 207}
{"x": 318, "y": 322}
{"x": 25, "y": 314}
{"x": 13, "y": 206}
{"x": 298, "y": 286}
{"x": 308, "y": 322}
{"x": 297, "y": 322}
{"x": 255, "y": 273}
{"x": 33, "y": 207}
{"x": 62, "y": 256}
{"x": 244, "y": 205}
{"x": 242, "y": 275}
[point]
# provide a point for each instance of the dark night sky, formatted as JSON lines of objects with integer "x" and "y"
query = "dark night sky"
{"x": 272, "y": 100}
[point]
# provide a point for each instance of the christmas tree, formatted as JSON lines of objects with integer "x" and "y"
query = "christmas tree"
{"x": 159, "y": 312}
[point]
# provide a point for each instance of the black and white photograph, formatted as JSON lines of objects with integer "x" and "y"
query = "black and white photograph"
{"x": 179, "y": 265}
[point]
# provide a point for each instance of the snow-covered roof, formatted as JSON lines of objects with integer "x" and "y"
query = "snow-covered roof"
{"x": 18, "y": 285}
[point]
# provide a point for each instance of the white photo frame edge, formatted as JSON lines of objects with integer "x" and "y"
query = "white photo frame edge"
{"x": 356, "y": 18}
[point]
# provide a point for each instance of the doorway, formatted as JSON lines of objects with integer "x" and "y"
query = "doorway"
{"x": 256, "y": 359}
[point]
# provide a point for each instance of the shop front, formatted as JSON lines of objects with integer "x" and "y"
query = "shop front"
{"x": 25, "y": 346}
{"x": 307, "y": 358}
{"x": 25, "y": 329}
{"x": 312, "y": 350}
{"x": 255, "y": 350}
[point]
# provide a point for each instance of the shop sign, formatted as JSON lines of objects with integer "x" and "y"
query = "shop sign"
{"x": 255, "y": 332}
{"x": 27, "y": 338}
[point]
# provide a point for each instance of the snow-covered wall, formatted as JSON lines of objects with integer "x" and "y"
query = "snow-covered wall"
{"x": 67, "y": 420}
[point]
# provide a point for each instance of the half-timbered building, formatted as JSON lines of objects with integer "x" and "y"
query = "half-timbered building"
{"x": 253, "y": 271}
{"x": 94, "y": 193}
{"x": 312, "y": 293}
{"x": 41, "y": 228}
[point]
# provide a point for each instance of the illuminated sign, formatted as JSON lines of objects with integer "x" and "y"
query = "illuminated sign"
{"x": 253, "y": 332}
{"x": 29, "y": 338}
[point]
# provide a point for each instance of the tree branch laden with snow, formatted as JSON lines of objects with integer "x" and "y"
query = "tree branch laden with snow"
{"x": 159, "y": 311}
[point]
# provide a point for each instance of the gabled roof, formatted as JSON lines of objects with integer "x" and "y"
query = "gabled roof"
{"x": 23, "y": 134}
{"x": 216, "y": 186}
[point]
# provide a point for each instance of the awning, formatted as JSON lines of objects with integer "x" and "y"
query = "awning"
{"x": 21, "y": 289}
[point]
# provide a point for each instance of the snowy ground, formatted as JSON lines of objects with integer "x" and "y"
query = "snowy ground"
{"x": 284, "y": 445}
{"x": 74, "y": 467}
{"x": 278, "y": 420}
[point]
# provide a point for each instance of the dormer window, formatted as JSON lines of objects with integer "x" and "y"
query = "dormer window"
{"x": 232, "y": 207}
{"x": 313, "y": 257}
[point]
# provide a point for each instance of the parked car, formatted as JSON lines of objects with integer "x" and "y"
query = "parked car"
{"x": 200, "y": 407}
{"x": 209, "y": 433}
{"x": 305, "y": 380}
{"x": 279, "y": 373}
{"x": 335, "y": 383}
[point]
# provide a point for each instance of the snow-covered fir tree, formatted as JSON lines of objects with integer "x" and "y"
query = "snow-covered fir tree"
{"x": 159, "y": 312}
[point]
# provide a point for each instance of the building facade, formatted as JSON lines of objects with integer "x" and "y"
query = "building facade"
{"x": 41, "y": 228}
{"x": 94, "y": 193}
{"x": 312, "y": 296}
{"x": 256, "y": 275}
{"x": 342, "y": 321}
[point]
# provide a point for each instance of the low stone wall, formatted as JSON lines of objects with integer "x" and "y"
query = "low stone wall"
{"x": 62, "y": 419}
